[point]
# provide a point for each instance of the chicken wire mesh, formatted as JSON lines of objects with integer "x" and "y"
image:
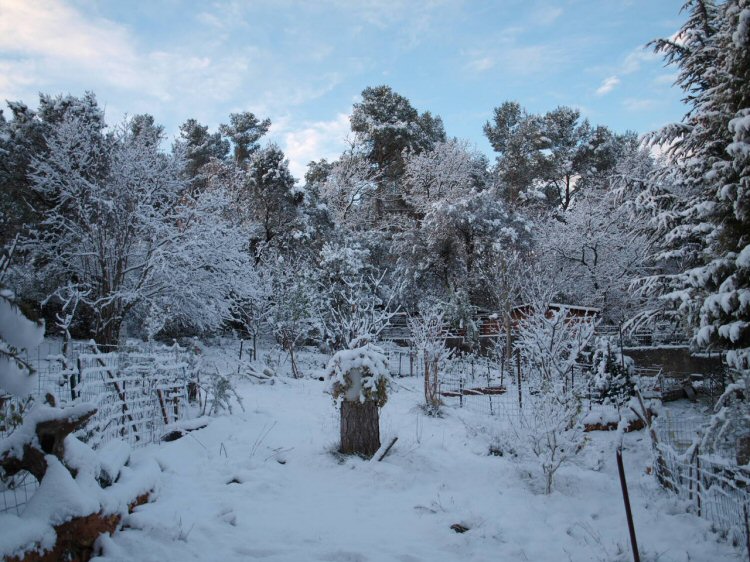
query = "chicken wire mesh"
{"x": 137, "y": 391}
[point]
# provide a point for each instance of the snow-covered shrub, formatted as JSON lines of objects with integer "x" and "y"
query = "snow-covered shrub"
{"x": 612, "y": 383}
{"x": 215, "y": 377}
{"x": 359, "y": 375}
{"x": 548, "y": 425}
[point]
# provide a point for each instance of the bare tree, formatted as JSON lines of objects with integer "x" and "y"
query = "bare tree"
{"x": 548, "y": 425}
{"x": 428, "y": 337}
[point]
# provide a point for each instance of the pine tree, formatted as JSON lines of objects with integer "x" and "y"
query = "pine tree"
{"x": 704, "y": 220}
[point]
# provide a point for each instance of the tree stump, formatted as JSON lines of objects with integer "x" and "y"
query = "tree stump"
{"x": 360, "y": 428}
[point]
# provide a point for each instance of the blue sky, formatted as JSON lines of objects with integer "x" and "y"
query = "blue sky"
{"x": 303, "y": 63}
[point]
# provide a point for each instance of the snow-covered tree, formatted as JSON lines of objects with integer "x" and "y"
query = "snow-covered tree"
{"x": 550, "y": 341}
{"x": 112, "y": 200}
{"x": 593, "y": 252}
{"x": 124, "y": 230}
{"x": 273, "y": 201}
{"x": 293, "y": 317}
{"x": 546, "y": 160}
{"x": 244, "y": 130}
{"x": 445, "y": 252}
{"x": 199, "y": 147}
{"x": 612, "y": 382}
{"x": 17, "y": 333}
{"x": 428, "y": 337}
{"x": 728, "y": 431}
{"x": 348, "y": 189}
{"x": 507, "y": 273}
{"x": 207, "y": 271}
{"x": 449, "y": 171}
{"x": 358, "y": 307}
{"x": 702, "y": 214}
{"x": 389, "y": 126}
{"x": 548, "y": 425}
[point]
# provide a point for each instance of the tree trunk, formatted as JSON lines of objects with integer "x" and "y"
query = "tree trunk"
{"x": 431, "y": 384}
{"x": 295, "y": 371}
{"x": 360, "y": 428}
{"x": 109, "y": 335}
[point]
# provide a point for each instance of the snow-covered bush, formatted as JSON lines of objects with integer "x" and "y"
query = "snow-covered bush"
{"x": 548, "y": 427}
{"x": 612, "y": 383}
{"x": 215, "y": 377}
{"x": 359, "y": 375}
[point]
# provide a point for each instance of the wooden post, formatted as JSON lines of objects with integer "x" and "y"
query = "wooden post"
{"x": 164, "y": 414}
{"x": 74, "y": 382}
{"x": 518, "y": 368}
{"x": 121, "y": 393}
{"x": 461, "y": 392}
{"x": 628, "y": 512}
{"x": 502, "y": 369}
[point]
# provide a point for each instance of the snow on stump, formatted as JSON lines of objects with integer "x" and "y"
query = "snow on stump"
{"x": 359, "y": 380}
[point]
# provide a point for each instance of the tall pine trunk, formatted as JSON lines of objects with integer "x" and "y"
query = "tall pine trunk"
{"x": 360, "y": 428}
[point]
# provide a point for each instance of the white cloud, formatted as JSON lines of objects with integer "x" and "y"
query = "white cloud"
{"x": 608, "y": 85}
{"x": 51, "y": 46}
{"x": 321, "y": 139}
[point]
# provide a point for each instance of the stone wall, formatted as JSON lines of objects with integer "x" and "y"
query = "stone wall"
{"x": 676, "y": 361}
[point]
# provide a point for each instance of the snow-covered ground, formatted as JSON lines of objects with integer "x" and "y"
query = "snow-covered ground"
{"x": 266, "y": 484}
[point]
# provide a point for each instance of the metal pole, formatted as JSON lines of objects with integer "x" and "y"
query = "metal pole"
{"x": 628, "y": 512}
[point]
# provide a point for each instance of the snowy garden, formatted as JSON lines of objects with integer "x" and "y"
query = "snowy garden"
{"x": 410, "y": 354}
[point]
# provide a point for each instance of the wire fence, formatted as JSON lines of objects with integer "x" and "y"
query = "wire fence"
{"x": 713, "y": 488}
{"x": 137, "y": 392}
